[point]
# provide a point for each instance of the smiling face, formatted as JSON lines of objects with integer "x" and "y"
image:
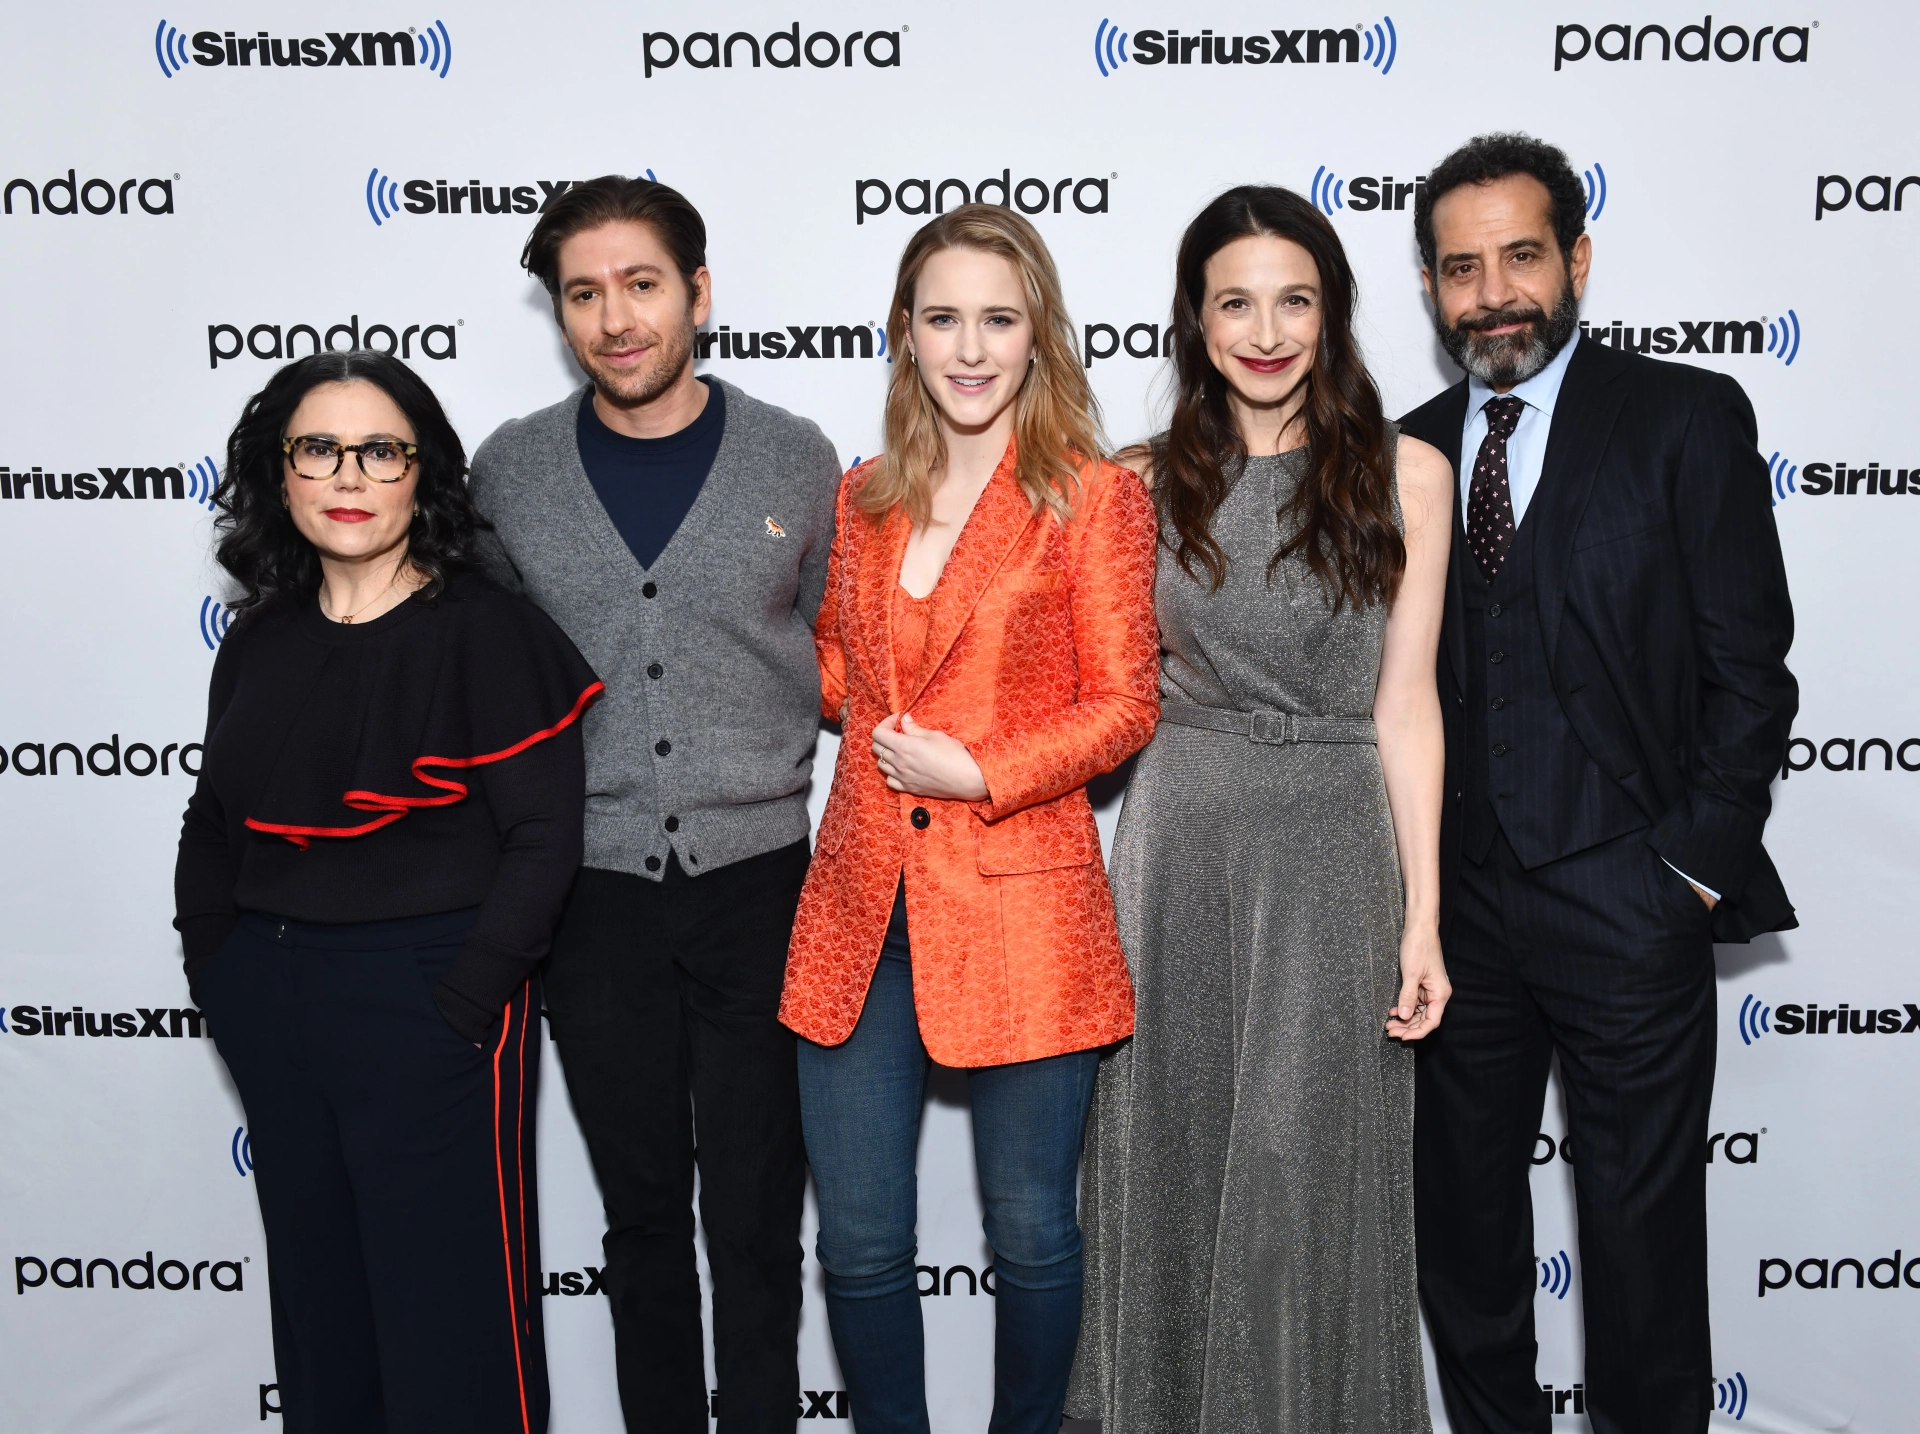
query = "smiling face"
{"x": 349, "y": 517}
{"x": 1261, "y": 315}
{"x": 971, "y": 336}
{"x": 1505, "y": 299}
{"x": 628, "y": 313}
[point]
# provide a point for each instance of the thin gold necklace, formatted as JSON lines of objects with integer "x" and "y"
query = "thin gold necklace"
{"x": 347, "y": 621}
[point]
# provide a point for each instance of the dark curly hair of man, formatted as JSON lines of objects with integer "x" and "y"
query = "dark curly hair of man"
{"x": 1488, "y": 157}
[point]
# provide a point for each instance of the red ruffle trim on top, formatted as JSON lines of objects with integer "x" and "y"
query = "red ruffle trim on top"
{"x": 392, "y": 808}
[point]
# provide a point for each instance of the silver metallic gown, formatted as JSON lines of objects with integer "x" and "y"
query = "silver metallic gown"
{"x": 1247, "y": 1191}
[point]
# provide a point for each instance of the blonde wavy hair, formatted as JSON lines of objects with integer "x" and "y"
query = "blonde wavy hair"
{"x": 1056, "y": 424}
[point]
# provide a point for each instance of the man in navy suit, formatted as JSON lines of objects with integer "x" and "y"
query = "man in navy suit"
{"x": 1613, "y": 671}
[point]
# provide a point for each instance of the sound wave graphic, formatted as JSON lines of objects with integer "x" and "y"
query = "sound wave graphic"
{"x": 1109, "y": 47}
{"x": 1730, "y": 1395}
{"x": 1782, "y": 472}
{"x": 202, "y": 478}
{"x": 1783, "y": 338}
{"x": 383, "y": 196}
{"x": 1327, "y": 191}
{"x": 1756, "y": 1020}
{"x": 1556, "y": 1275}
{"x": 215, "y": 619}
{"x": 170, "y": 49}
{"x": 1382, "y": 45}
{"x": 881, "y": 330}
{"x": 242, "y": 1150}
{"x": 436, "y": 48}
{"x": 1596, "y": 179}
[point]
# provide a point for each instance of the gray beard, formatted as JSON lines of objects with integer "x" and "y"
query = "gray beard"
{"x": 1503, "y": 362}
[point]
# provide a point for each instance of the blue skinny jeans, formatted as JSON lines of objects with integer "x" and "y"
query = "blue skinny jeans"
{"x": 860, "y": 1105}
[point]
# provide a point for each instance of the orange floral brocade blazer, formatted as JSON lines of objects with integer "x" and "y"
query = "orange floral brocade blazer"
{"x": 1042, "y": 656}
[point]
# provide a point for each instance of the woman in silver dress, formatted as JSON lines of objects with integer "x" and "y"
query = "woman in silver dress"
{"x": 1247, "y": 1186}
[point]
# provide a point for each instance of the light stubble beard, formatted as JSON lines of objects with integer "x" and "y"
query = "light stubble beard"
{"x": 1508, "y": 359}
{"x": 667, "y": 357}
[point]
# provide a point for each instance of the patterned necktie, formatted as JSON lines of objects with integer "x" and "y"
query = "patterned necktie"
{"x": 1489, "y": 499}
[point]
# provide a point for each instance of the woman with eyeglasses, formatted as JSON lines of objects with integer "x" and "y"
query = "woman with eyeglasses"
{"x": 386, "y": 822}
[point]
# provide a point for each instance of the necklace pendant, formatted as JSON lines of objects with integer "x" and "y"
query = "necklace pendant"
{"x": 347, "y": 621}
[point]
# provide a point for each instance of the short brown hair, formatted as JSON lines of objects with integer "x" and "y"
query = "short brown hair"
{"x": 609, "y": 200}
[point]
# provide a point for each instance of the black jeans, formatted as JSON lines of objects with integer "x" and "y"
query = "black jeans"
{"x": 1604, "y": 958}
{"x": 664, "y": 998}
{"x": 394, "y": 1165}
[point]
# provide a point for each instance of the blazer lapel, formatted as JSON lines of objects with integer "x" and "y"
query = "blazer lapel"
{"x": 998, "y": 519}
{"x": 1590, "y": 400}
{"x": 879, "y": 574}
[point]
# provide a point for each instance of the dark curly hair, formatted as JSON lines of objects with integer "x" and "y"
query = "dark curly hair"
{"x": 258, "y": 543}
{"x": 1494, "y": 156}
{"x": 1341, "y": 513}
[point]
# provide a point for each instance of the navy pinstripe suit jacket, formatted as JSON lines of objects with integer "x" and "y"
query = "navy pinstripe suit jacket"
{"x": 1664, "y": 610}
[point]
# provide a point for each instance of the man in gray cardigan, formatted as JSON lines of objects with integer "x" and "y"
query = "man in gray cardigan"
{"x": 678, "y": 530}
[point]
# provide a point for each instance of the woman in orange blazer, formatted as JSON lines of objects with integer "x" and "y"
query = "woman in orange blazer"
{"x": 987, "y": 639}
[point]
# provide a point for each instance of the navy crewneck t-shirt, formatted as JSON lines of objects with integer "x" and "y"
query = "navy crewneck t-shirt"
{"x": 648, "y": 485}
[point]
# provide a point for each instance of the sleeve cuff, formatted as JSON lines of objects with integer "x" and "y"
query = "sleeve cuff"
{"x": 1701, "y": 885}
{"x": 471, "y": 1022}
{"x": 200, "y": 937}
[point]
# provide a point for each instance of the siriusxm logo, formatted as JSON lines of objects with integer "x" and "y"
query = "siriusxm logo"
{"x": 1376, "y": 45}
{"x": 1885, "y": 1273}
{"x": 1694, "y": 44}
{"x": 584, "y": 1281}
{"x": 194, "y": 483}
{"x": 429, "y": 47}
{"x": 784, "y": 49}
{"x": 1569, "y": 1400}
{"x": 1556, "y": 1274}
{"x": 1886, "y": 194}
{"x": 1782, "y": 473}
{"x": 812, "y": 341}
{"x": 92, "y": 196}
{"x": 1029, "y": 196}
{"x": 820, "y": 1404}
{"x": 1778, "y": 337}
{"x": 1838, "y": 480}
{"x": 241, "y": 1148}
{"x": 164, "y": 1021}
{"x": 1730, "y": 1396}
{"x": 215, "y": 619}
{"x": 1366, "y": 194}
{"x": 1758, "y": 1019}
{"x": 387, "y": 197}
{"x": 265, "y": 341}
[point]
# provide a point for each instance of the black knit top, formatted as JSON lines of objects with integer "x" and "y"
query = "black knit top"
{"x": 429, "y": 760}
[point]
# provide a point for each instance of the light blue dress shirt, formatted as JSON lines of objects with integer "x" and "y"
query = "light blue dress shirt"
{"x": 1526, "y": 448}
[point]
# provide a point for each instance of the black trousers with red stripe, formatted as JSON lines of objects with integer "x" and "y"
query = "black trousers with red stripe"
{"x": 394, "y": 1166}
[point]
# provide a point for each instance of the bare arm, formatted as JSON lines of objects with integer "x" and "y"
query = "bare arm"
{"x": 1406, "y": 712}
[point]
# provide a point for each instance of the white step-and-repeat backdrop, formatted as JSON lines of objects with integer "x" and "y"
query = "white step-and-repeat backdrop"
{"x": 194, "y": 194}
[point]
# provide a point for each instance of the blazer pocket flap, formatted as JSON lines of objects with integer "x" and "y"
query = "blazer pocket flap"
{"x": 1037, "y": 840}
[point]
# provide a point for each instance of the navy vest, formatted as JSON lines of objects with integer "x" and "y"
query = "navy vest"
{"x": 1526, "y": 771}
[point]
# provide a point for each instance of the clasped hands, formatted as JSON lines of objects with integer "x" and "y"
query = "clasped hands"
{"x": 925, "y": 762}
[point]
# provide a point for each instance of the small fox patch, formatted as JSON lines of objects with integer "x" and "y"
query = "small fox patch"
{"x": 774, "y": 530}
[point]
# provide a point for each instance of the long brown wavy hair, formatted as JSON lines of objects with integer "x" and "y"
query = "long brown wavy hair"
{"x": 1056, "y": 424}
{"x": 1341, "y": 514}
